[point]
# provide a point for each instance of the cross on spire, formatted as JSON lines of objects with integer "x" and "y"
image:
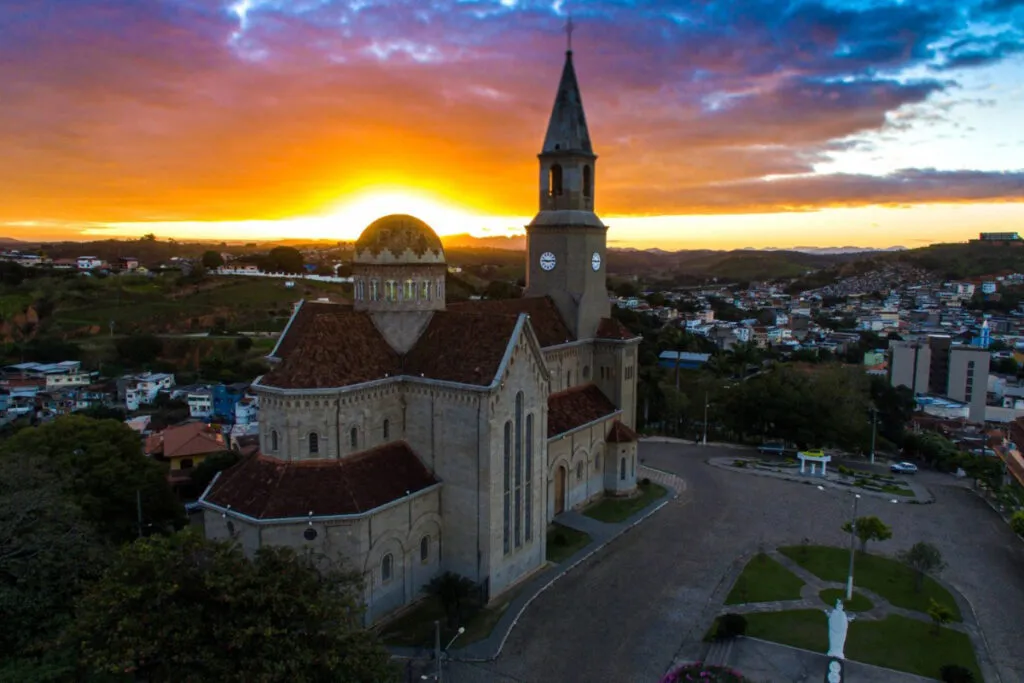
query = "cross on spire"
{"x": 569, "y": 28}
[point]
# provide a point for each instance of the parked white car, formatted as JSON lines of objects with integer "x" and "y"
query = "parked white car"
{"x": 903, "y": 468}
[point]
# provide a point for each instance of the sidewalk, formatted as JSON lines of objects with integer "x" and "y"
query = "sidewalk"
{"x": 601, "y": 535}
{"x": 921, "y": 494}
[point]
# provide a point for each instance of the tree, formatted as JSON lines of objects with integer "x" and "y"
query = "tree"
{"x": 454, "y": 592}
{"x": 940, "y": 614}
{"x": 923, "y": 558}
{"x": 499, "y": 289}
{"x": 180, "y": 607}
{"x": 870, "y": 529}
{"x": 212, "y": 259}
{"x": 139, "y": 349}
{"x": 1017, "y": 522}
{"x": 103, "y": 471}
{"x": 47, "y": 552}
{"x": 204, "y": 472}
{"x": 285, "y": 259}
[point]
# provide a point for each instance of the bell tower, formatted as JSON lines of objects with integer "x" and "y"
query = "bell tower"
{"x": 566, "y": 240}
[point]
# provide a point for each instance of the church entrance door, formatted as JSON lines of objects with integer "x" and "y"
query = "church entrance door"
{"x": 559, "y": 490}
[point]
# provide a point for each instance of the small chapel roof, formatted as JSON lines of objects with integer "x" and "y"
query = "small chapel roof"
{"x": 620, "y": 433}
{"x": 576, "y": 407}
{"x": 610, "y": 328}
{"x": 567, "y": 128}
{"x": 266, "y": 488}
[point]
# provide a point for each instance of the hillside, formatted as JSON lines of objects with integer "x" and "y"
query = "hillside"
{"x": 965, "y": 260}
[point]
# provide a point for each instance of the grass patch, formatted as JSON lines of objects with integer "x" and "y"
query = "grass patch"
{"x": 898, "y": 642}
{"x": 898, "y": 491}
{"x": 415, "y": 628}
{"x": 620, "y": 509}
{"x": 892, "y": 580}
{"x": 764, "y": 580}
{"x": 858, "y": 604}
{"x": 803, "y": 628}
{"x": 564, "y": 542}
{"x": 895, "y": 642}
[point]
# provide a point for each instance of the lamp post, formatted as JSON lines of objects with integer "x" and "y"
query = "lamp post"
{"x": 853, "y": 535}
{"x": 704, "y": 441}
{"x": 874, "y": 424}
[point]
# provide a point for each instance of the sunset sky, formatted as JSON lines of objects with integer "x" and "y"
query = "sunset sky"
{"x": 718, "y": 124}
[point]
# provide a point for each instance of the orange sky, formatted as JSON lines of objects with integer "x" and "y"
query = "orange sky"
{"x": 739, "y": 127}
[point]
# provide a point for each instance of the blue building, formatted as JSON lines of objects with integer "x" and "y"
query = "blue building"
{"x": 683, "y": 360}
{"x": 225, "y": 398}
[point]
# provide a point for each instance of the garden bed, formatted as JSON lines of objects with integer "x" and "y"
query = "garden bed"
{"x": 764, "y": 580}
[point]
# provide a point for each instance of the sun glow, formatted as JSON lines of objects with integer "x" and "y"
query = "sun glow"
{"x": 351, "y": 217}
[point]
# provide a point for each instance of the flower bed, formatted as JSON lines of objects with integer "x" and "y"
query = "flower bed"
{"x": 701, "y": 673}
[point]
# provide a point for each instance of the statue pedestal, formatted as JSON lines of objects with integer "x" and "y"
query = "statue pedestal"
{"x": 836, "y": 671}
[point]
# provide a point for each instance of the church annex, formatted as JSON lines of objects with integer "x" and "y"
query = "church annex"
{"x": 405, "y": 437}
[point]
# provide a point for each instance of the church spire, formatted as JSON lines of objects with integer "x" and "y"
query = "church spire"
{"x": 567, "y": 128}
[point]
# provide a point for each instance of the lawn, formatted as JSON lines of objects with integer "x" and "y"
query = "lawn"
{"x": 564, "y": 542}
{"x": 764, "y": 580}
{"x": 620, "y": 509}
{"x": 892, "y": 580}
{"x": 415, "y": 628}
{"x": 895, "y": 642}
{"x": 858, "y": 604}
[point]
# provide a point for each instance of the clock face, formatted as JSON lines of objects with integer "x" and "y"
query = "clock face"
{"x": 548, "y": 261}
{"x": 595, "y": 261}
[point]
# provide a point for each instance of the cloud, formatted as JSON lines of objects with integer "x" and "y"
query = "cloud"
{"x": 119, "y": 110}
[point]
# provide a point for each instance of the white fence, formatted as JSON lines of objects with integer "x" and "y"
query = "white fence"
{"x": 228, "y": 270}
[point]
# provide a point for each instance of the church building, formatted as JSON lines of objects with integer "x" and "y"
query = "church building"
{"x": 404, "y": 436}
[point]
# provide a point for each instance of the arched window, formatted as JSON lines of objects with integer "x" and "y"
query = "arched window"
{"x": 507, "y": 489}
{"x": 579, "y": 470}
{"x": 622, "y": 470}
{"x": 387, "y": 568}
{"x": 374, "y": 290}
{"x": 391, "y": 290}
{"x": 586, "y": 372}
{"x": 632, "y": 465}
{"x": 597, "y": 463}
{"x": 519, "y": 470}
{"x": 588, "y": 182}
{"x": 425, "y": 291}
{"x": 425, "y": 549}
{"x": 314, "y": 443}
{"x": 273, "y": 440}
{"x": 568, "y": 379}
{"x": 353, "y": 437}
{"x": 555, "y": 181}
{"x": 528, "y": 476}
{"x": 387, "y": 429}
{"x": 410, "y": 291}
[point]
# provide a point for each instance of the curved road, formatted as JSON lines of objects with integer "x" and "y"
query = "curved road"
{"x": 644, "y": 602}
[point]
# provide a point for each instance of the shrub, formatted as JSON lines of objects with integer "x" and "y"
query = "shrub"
{"x": 645, "y": 482}
{"x": 1017, "y": 522}
{"x": 739, "y": 463}
{"x": 954, "y": 673}
{"x": 560, "y": 540}
{"x": 706, "y": 673}
{"x": 731, "y": 626}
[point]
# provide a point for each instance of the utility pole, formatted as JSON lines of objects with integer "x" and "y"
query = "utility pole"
{"x": 874, "y": 423}
{"x": 705, "y": 439}
{"x": 437, "y": 650}
{"x": 853, "y": 538}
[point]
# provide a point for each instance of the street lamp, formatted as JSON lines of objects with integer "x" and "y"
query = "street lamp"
{"x": 704, "y": 441}
{"x": 440, "y": 656}
{"x": 853, "y": 540}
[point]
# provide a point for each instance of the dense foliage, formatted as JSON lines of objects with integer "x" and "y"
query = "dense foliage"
{"x": 183, "y": 608}
{"x": 943, "y": 455}
{"x": 705, "y": 673}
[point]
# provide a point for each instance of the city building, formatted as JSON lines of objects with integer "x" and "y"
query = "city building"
{"x": 940, "y": 368}
{"x": 407, "y": 436}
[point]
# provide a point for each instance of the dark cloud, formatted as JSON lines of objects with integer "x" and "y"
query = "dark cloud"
{"x": 125, "y": 110}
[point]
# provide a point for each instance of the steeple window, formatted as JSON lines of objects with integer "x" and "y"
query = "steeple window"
{"x": 588, "y": 182}
{"x": 555, "y": 181}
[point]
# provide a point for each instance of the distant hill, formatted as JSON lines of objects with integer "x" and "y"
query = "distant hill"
{"x": 965, "y": 260}
{"x": 515, "y": 243}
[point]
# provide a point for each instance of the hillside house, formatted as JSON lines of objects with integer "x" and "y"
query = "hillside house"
{"x": 184, "y": 447}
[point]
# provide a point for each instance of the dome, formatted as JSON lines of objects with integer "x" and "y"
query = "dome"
{"x": 398, "y": 239}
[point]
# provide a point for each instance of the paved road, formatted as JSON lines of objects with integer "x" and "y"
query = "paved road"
{"x": 644, "y": 602}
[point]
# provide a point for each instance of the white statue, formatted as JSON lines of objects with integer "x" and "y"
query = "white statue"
{"x": 838, "y": 622}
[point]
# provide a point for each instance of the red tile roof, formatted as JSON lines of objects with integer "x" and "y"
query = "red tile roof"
{"x": 545, "y": 319}
{"x": 620, "y": 433}
{"x": 576, "y": 407}
{"x": 610, "y": 328}
{"x": 194, "y": 438}
{"x": 330, "y": 345}
{"x": 267, "y": 488}
{"x": 461, "y": 346}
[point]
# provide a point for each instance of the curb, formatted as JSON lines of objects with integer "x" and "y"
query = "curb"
{"x": 515, "y": 621}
